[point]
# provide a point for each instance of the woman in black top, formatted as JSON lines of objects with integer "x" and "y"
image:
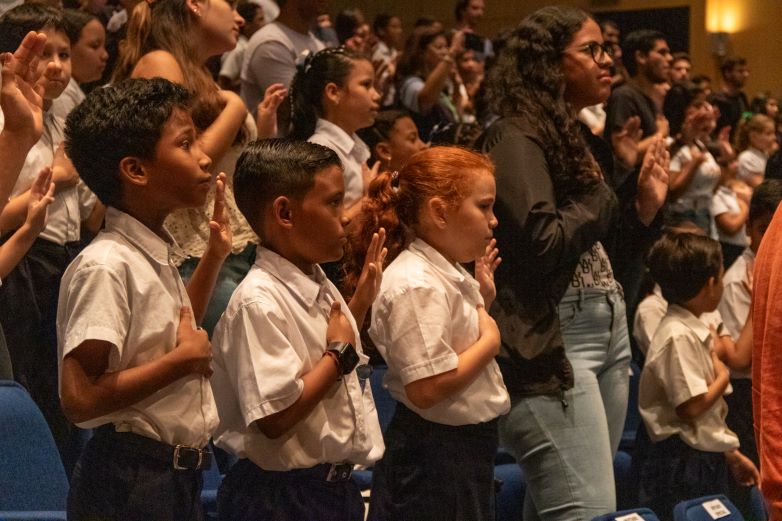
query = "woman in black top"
{"x": 565, "y": 350}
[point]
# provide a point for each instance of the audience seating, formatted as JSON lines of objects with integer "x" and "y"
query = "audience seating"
{"x": 698, "y": 509}
{"x": 33, "y": 484}
{"x": 635, "y": 514}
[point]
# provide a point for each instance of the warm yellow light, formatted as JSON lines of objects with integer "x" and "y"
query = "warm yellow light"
{"x": 725, "y": 16}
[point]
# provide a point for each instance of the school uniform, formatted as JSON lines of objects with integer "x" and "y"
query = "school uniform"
{"x": 352, "y": 152}
{"x": 145, "y": 460}
{"x": 439, "y": 462}
{"x": 272, "y": 333}
{"x": 28, "y": 297}
{"x": 686, "y": 458}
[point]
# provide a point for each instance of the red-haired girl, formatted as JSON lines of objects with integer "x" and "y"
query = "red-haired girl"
{"x": 429, "y": 322}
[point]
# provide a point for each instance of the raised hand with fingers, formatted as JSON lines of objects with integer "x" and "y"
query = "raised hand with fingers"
{"x": 371, "y": 276}
{"x": 625, "y": 141}
{"x": 653, "y": 181}
{"x": 267, "y": 110}
{"x": 484, "y": 272}
{"x": 20, "y": 96}
{"x": 220, "y": 234}
{"x": 41, "y": 196}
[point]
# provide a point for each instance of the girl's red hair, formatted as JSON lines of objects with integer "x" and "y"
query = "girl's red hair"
{"x": 444, "y": 172}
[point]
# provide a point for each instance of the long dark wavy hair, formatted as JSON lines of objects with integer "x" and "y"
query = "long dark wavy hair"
{"x": 527, "y": 81}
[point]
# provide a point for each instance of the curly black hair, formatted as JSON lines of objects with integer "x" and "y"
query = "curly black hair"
{"x": 125, "y": 119}
{"x": 527, "y": 81}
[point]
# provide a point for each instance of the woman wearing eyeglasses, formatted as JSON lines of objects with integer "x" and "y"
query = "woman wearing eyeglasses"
{"x": 560, "y": 312}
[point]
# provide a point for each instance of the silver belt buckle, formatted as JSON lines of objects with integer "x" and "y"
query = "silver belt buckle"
{"x": 339, "y": 472}
{"x": 177, "y": 466}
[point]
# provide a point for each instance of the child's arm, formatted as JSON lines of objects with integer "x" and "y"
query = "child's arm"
{"x": 203, "y": 280}
{"x": 680, "y": 179}
{"x": 736, "y": 355}
{"x": 22, "y": 106}
{"x": 266, "y": 120}
{"x": 428, "y": 392}
{"x": 316, "y": 383}
{"x": 731, "y": 223}
{"x": 41, "y": 196}
{"x": 744, "y": 471}
{"x": 697, "y": 405}
{"x": 88, "y": 391}
{"x": 64, "y": 177}
{"x": 371, "y": 276}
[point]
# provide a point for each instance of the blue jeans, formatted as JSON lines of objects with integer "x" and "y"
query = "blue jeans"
{"x": 565, "y": 445}
{"x": 234, "y": 268}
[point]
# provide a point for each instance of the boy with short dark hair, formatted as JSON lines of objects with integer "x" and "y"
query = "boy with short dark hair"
{"x": 683, "y": 382}
{"x": 133, "y": 365}
{"x": 292, "y": 406}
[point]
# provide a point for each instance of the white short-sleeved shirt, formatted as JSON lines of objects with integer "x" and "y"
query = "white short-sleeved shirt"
{"x": 68, "y": 100}
{"x": 231, "y": 62}
{"x": 124, "y": 289}
{"x": 353, "y": 153}
{"x": 751, "y": 162}
{"x": 424, "y": 317}
{"x": 736, "y": 300}
{"x": 272, "y": 333}
{"x": 698, "y": 194}
{"x": 724, "y": 200}
{"x": 650, "y": 313}
{"x": 678, "y": 367}
{"x": 271, "y": 57}
{"x": 65, "y": 213}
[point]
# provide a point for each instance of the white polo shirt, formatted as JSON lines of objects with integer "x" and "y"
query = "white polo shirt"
{"x": 424, "y": 317}
{"x": 70, "y": 205}
{"x": 751, "y": 162}
{"x": 124, "y": 289}
{"x": 678, "y": 367}
{"x": 272, "y": 333}
{"x": 353, "y": 153}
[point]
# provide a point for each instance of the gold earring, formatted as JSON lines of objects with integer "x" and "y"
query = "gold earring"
{"x": 196, "y": 11}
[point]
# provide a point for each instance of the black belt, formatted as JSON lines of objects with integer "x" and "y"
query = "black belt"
{"x": 179, "y": 457}
{"x": 331, "y": 472}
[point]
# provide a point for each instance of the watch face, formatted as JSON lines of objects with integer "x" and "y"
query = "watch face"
{"x": 349, "y": 358}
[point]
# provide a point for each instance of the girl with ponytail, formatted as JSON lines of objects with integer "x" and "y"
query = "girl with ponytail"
{"x": 429, "y": 322}
{"x": 333, "y": 96}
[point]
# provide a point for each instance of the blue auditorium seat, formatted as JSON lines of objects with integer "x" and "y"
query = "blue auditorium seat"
{"x": 634, "y": 514}
{"x": 698, "y": 509}
{"x": 33, "y": 484}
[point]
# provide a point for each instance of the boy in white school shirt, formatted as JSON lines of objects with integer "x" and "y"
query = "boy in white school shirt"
{"x": 132, "y": 364}
{"x": 292, "y": 406}
{"x": 683, "y": 382}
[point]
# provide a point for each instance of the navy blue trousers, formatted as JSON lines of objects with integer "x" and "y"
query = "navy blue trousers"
{"x": 249, "y": 493}
{"x": 434, "y": 472}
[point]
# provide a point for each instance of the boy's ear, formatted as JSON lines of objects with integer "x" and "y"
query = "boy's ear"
{"x": 383, "y": 151}
{"x": 283, "y": 212}
{"x": 332, "y": 92}
{"x": 437, "y": 209}
{"x": 132, "y": 170}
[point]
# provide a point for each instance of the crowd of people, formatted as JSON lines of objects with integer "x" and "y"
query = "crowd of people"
{"x": 217, "y": 216}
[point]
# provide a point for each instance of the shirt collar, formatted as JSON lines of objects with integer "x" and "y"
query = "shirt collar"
{"x": 689, "y": 320}
{"x": 305, "y": 288}
{"x": 454, "y": 272}
{"x": 139, "y": 235}
{"x": 346, "y": 143}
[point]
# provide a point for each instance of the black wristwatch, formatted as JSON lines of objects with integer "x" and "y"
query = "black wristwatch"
{"x": 347, "y": 358}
